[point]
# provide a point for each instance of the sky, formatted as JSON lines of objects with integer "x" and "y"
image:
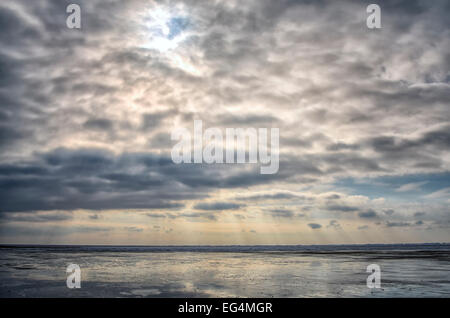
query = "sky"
{"x": 86, "y": 117}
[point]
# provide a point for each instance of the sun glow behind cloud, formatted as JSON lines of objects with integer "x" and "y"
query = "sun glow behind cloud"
{"x": 164, "y": 28}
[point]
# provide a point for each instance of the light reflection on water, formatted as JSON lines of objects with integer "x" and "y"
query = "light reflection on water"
{"x": 218, "y": 274}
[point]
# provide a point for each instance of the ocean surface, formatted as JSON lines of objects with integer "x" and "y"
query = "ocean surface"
{"x": 411, "y": 270}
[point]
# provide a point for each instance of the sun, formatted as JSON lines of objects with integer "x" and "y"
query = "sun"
{"x": 165, "y": 29}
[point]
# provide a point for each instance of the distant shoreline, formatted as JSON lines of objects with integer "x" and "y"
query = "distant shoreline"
{"x": 234, "y": 248}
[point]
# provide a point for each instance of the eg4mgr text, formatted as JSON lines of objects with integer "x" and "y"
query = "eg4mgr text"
{"x": 233, "y": 307}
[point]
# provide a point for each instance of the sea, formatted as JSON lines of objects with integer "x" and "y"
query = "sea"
{"x": 405, "y": 270}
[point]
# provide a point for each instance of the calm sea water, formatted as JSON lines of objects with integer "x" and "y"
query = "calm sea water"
{"x": 226, "y": 271}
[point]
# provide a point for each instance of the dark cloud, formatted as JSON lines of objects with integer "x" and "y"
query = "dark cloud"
{"x": 217, "y": 206}
{"x": 156, "y": 215}
{"x": 249, "y": 120}
{"x": 314, "y": 226}
{"x": 99, "y": 124}
{"x": 342, "y": 208}
{"x": 397, "y": 224}
{"x": 34, "y": 217}
{"x": 97, "y": 179}
{"x": 369, "y": 214}
{"x": 50, "y": 231}
{"x": 151, "y": 121}
{"x": 282, "y": 213}
{"x": 209, "y": 216}
{"x": 402, "y": 146}
{"x": 273, "y": 196}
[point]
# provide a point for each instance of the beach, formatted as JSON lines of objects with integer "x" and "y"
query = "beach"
{"x": 420, "y": 270}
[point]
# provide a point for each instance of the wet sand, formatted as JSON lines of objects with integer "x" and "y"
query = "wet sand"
{"x": 336, "y": 271}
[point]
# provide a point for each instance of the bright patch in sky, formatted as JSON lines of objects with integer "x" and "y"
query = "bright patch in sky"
{"x": 165, "y": 29}
{"x": 407, "y": 187}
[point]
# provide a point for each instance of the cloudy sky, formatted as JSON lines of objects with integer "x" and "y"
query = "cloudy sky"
{"x": 86, "y": 117}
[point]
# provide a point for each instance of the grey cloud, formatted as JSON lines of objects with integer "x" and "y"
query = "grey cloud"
{"x": 97, "y": 179}
{"x": 209, "y": 216}
{"x": 34, "y": 217}
{"x": 152, "y": 121}
{"x": 439, "y": 138}
{"x": 314, "y": 226}
{"x": 397, "y": 224}
{"x": 217, "y": 206}
{"x": 347, "y": 102}
{"x": 161, "y": 141}
{"x": 133, "y": 229}
{"x": 282, "y": 213}
{"x": 98, "y": 124}
{"x": 342, "y": 208}
{"x": 334, "y": 224}
{"x": 369, "y": 214}
{"x": 49, "y": 231}
{"x": 155, "y": 215}
{"x": 249, "y": 120}
{"x": 342, "y": 146}
{"x": 274, "y": 196}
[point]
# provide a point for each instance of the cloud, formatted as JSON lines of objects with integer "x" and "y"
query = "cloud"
{"x": 334, "y": 224}
{"x": 443, "y": 193}
{"x": 397, "y": 224}
{"x": 342, "y": 208}
{"x": 97, "y": 179}
{"x": 98, "y": 124}
{"x": 133, "y": 229}
{"x": 369, "y": 214}
{"x": 209, "y": 216}
{"x": 45, "y": 231}
{"x": 155, "y": 215}
{"x": 86, "y": 117}
{"x": 59, "y": 216}
{"x": 283, "y": 213}
{"x": 314, "y": 226}
{"x": 271, "y": 196}
{"x": 411, "y": 186}
{"x": 217, "y": 206}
